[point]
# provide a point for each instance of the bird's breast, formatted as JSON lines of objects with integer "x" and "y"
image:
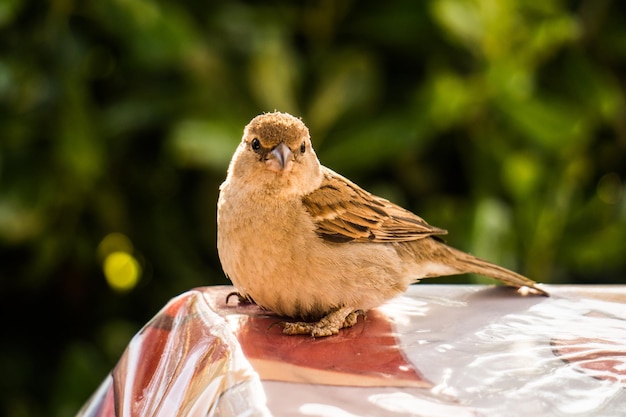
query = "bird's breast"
{"x": 263, "y": 248}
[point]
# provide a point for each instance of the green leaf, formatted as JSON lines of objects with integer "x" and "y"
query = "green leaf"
{"x": 204, "y": 143}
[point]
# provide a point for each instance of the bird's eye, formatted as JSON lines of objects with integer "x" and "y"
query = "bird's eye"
{"x": 255, "y": 144}
{"x": 302, "y": 147}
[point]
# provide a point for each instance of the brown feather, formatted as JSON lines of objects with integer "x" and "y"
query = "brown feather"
{"x": 344, "y": 212}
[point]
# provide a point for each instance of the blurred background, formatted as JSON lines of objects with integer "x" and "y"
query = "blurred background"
{"x": 502, "y": 122}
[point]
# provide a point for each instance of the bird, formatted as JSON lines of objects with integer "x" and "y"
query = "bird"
{"x": 300, "y": 240}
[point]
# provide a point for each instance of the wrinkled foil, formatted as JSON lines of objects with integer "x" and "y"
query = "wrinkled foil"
{"x": 438, "y": 350}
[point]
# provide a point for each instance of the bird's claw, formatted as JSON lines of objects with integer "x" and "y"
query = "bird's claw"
{"x": 242, "y": 299}
{"x": 327, "y": 326}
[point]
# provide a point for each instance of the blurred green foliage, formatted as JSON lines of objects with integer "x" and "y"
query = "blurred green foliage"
{"x": 501, "y": 121}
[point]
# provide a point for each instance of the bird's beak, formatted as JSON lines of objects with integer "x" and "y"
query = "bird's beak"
{"x": 280, "y": 158}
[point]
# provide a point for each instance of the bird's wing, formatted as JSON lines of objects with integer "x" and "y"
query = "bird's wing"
{"x": 344, "y": 212}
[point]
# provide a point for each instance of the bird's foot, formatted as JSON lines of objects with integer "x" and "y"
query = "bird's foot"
{"x": 327, "y": 326}
{"x": 243, "y": 299}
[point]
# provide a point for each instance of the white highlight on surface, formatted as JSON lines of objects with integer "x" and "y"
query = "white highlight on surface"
{"x": 324, "y": 410}
{"x": 402, "y": 402}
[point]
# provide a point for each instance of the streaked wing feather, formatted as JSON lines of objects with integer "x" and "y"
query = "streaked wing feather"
{"x": 344, "y": 212}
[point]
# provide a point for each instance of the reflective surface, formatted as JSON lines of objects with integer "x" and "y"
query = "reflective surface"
{"x": 436, "y": 351}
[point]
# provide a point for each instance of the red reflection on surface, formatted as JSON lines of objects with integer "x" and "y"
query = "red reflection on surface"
{"x": 592, "y": 357}
{"x": 366, "y": 354}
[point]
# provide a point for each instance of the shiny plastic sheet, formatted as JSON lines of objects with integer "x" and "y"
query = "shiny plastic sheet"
{"x": 436, "y": 351}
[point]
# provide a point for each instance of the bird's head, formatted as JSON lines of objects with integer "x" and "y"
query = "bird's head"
{"x": 276, "y": 151}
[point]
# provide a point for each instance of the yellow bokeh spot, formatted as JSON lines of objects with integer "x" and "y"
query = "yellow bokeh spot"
{"x": 114, "y": 242}
{"x": 122, "y": 271}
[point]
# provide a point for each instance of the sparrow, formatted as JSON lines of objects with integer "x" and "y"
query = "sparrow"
{"x": 301, "y": 240}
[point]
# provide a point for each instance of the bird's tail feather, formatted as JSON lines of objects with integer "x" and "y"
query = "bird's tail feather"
{"x": 472, "y": 264}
